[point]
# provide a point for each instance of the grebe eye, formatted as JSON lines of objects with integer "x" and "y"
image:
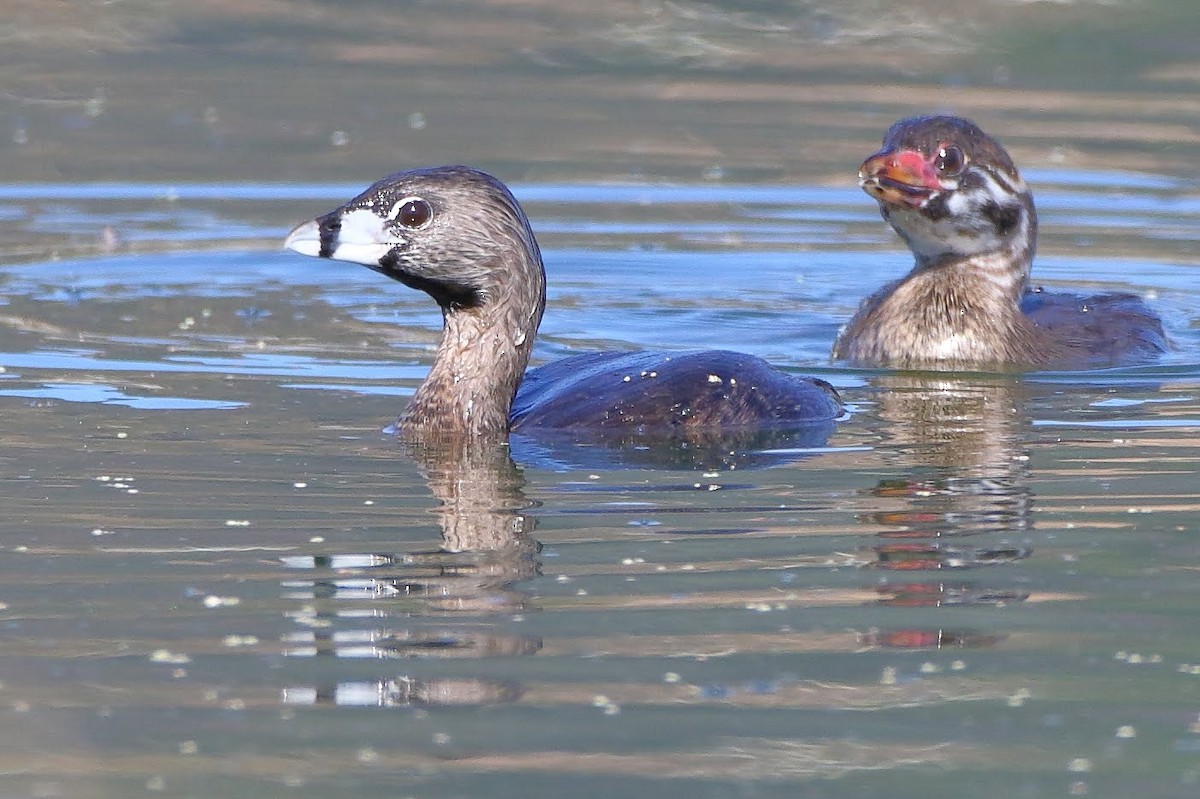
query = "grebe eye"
{"x": 950, "y": 160}
{"x": 412, "y": 212}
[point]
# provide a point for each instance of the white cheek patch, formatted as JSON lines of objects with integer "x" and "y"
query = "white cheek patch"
{"x": 959, "y": 204}
{"x": 964, "y": 230}
{"x": 363, "y": 238}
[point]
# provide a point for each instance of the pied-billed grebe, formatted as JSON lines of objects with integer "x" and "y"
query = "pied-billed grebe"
{"x": 955, "y": 197}
{"x": 459, "y": 235}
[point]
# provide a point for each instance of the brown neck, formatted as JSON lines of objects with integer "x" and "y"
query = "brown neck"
{"x": 479, "y": 363}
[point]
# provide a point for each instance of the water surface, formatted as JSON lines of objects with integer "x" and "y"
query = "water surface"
{"x": 221, "y": 578}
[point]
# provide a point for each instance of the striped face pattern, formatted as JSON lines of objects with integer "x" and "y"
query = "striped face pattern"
{"x": 950, "y": 191}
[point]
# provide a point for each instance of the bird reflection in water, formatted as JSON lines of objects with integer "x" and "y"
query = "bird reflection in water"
{"x": 967, "y": 478}
{"x": 443, "y": 603}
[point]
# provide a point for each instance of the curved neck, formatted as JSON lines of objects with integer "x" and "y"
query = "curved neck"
{"x": 990, "y": 280}
{"x": 480, "y": 360}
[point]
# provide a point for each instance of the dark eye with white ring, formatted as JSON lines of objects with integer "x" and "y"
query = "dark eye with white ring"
{"x": 412, "y": 212}
{"x": 949, "y": 160}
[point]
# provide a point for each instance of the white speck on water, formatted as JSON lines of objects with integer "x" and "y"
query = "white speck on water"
{"x": 1079, "y": 765}
{"x": 367, "y": 755}
{"x": 603, "y": 703}
{"x": 237, "y": 522}
{"x": 626, "y": 379}
{"x": 299, "y": 485}
{"x": 714, "y": 379}
{"x": 188, "y": 747}
{"x": 1018, "y": 699}
{"x": 99, "y": 531}
{"x": 368, "y": 502}
{"x": 167, "y": 656}
{"x": 122, "y": 434}
{"x": 888, "y": 677}
{"x": 1126, "y": 731}
{"x": 339, "y": 138}
{"x": 416, "y": 121}
{"x": 214, "y": 601}
{"x": 317, "y": 539}
{"x": 671, "y": 677}
{"x": 234, "y": 641}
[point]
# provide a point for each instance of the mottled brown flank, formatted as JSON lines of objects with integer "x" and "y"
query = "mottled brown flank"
{"x": 927, "y": 134}
{"x": 904, "y": 323}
